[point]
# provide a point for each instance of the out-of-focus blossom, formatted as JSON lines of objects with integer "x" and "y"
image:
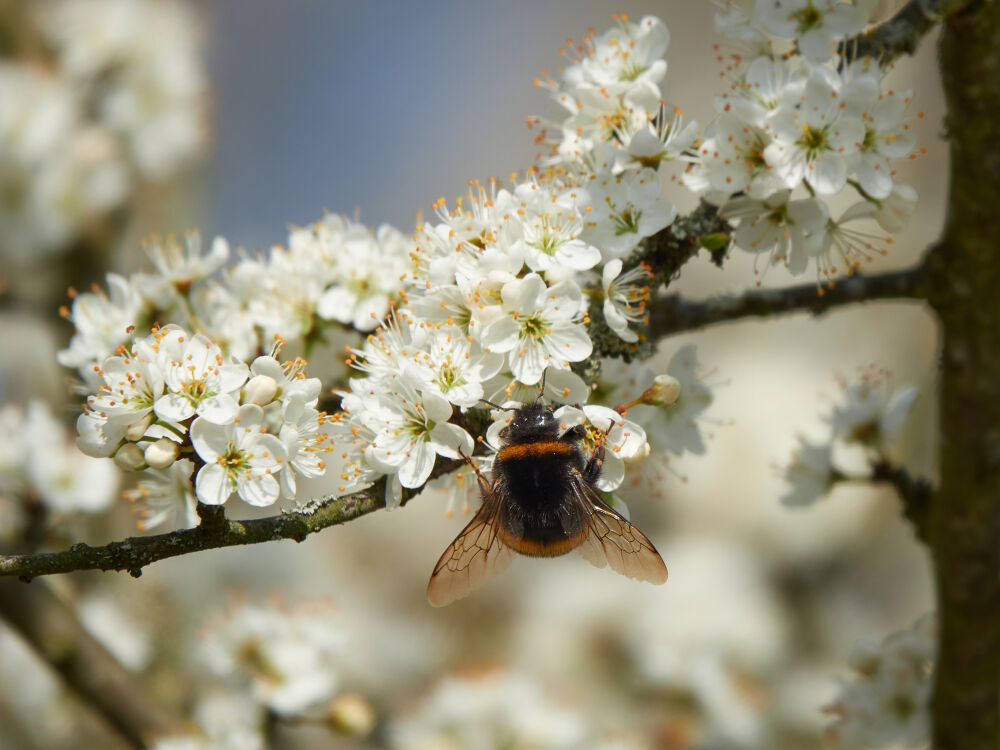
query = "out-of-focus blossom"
{"x": 290, "y": 658}
{"x": 493, "y": 709}
{"x": 47, "y": 467}
{"x": 888, "y": 701}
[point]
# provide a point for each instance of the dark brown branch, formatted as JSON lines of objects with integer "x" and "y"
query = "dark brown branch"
{"x": 672, "y": 314}
{"x": 900, "y": 34}
{"x": 669, "y": 249}
{"x": 51, "y": 628}
{"x": 134, "y": 553}
{"x": 914, "y": 492}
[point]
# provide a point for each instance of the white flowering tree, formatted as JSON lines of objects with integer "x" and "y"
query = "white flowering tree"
{"x": 544, "y": 283}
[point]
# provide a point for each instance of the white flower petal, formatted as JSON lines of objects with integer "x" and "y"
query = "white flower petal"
{"x": 568, "y": 342}
{"x": 417, "y": 467}
{"x": 612, "y": 473}
{"x": 212, "y": 485}
{"x": 209, "y": 440}
{"x": 500, "y": 335}
{"x": 173, "y": 407}
{"x": 259, "y": 490}
{"x": 447, "y": 438}
{"x": 221, "y": 409}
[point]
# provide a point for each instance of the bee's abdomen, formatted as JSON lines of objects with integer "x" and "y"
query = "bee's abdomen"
{"x": 539, "y": 517}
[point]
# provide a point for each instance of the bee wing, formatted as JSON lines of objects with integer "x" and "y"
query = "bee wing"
{"x": 476, "y": 553}
{"x": 611, "y": 540}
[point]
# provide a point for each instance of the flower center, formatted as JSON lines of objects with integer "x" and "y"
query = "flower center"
{"x": 814, "y": 141}
{"x": 627, "y": 222}
{"x": 869, "y": 142}
{"x": 535, "y": 327}
{"x": 808, "y": 18}
{"x": 448, "y": 377}
{"x": 195, "y": 389}
{"x": 630, "y": 71}
{"x": 234, "y": 461}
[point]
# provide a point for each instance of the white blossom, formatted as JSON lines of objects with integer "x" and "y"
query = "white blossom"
{"x": 539, "y": 327}
{"x": 872, "y": 414}
{"x": 166, "y": 496}
{"x": 674, "y": 427}
{"x": 411, "y": 429}
{"x": 787, "y": 231}
{"x": 626, "y": 210}
{"x": 815, "y": 25}
{"x": 624, "y": 440}
{"x": 239, "y": 457}
{"x": 103, "y": 322}
{"x": 815, "y": 138}
{"x": 810, "y": 474}
{"x": 625, "y": 298}
{"x": 198, "y": 379}
{"x": 178, "y": 267}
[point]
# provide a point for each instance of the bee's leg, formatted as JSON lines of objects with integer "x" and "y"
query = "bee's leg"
{"x": 574, "y": 434}
{"x": 592, "y": 471}
{"x": 484, "y": 483}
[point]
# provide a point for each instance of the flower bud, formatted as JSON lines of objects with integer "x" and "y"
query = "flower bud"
{"x": 260, "y": 390}
{"x": 137, "y": 429}
{"x": 664, "y": 391}
{"x": 129, "y": 457}
{"x": 351, "y": 715}
{"x": 162, "y": 453}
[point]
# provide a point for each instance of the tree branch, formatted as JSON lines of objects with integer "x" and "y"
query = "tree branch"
{"x": 914, "y": 492}
{"x": 52, "y": 629}
{"x": 672, "y": 314}
{"x": 216, "y": 531}
{"x": 899, "y": 35}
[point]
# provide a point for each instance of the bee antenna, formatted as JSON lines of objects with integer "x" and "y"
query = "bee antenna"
{"x": 490, "y": 403}
{"x": 541, "y": 386}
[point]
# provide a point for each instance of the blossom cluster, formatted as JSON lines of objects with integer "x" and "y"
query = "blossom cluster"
{"x": 888, "y": 702}
{"x": 334, "y": 273}
{"x": 800, "y": 126}
{"x": 615, "y": 118}
{"x": 803, "y": 130}
{"x": 110, "y": 93}
{"x": 862, "y": 429}
{"x": 491, "y": 300}
{"x": 173, "y": 395}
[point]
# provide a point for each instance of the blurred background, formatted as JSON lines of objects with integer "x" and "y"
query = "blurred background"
{"x": 274, "y": 112}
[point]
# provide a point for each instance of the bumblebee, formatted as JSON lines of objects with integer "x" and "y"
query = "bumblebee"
{"x": 543, "y": 502}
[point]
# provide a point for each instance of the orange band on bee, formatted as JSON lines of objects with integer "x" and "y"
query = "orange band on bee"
{"x": 537, "y": 548}
{"x": 544, "y": 448}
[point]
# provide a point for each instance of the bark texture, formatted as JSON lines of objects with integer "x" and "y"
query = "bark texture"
{"x": 963, "y": 278}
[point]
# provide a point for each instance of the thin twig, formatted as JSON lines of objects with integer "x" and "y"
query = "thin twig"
{"x": 672, "y": 314}
{"x": 914, "y": 492}
{"x": 899, "y": 35}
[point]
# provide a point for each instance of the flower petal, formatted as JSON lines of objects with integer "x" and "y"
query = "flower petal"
{"x": 212, "y": 485}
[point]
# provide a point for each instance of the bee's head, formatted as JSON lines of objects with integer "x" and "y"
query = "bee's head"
{"x": 530, "y": 423}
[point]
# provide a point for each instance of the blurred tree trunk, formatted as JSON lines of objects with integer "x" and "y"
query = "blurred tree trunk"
{"x": 963, "y": 278}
